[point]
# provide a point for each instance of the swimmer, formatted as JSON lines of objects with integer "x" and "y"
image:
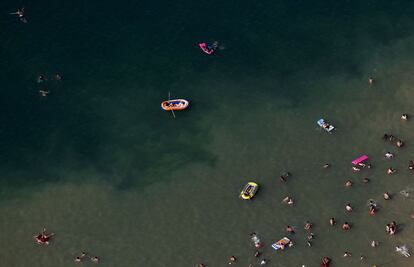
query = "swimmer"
{"x": 307, "y": 225}
{"x": 348, "y": 207}
{"x": 332, "y": 221}
{"x": 399, "y": 143}
{"x": 346, "y": 226}
{"x": 290, "y": 229}
{"x": 326, "y": 166}
{"x": 44, "y": 92}
{"x": 348, "y": 183}
{"x": 385, "y": 137}
{"x": 288, "y": 200}
{"x": 58, "y": 77}
{"x": 391, "y": 171}
{"x": 78, "y": 259}
{"x": 83, "y": 254}
{"x": 404, "y": 117}
{"x": 309, "y": 243}
{"x": 410, "y": 165}
{"x": 200, "y": 265}
{"x": 19, "y": 13}
{"x": 232, "y": 259}
{"x": 372, "y": 210}
{"x": 365, "y": 180}
{"x": 389, "y": 155}
{"x": 95, "y": 259}
{"x": 257, "y": 254}
{"x": 355, "y": 169}
{"x": 41, "y": 78}
{"x": 347, "y": 254}
{"x": 388, "y": 228}
{"x": 374, "y": 244}
{"x": 370, "y": 80}
{"x": 362, "y": 257}
{"x": 282, "y": 179}
{"x": 263, "y": 262}
{"x": 387, "y": 196}
{"x": 311, "y": 236}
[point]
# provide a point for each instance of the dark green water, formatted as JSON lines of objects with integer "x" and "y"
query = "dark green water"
{"x": 98, "y": 163}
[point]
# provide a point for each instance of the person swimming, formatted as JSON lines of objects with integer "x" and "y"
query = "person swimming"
{"x": 347, "y": 254}
{"x": 391, "y": 170}
{"x": 348, "y": 183}
{"x": 20, "y": 14}
{"x": 326, "y": 166}
{"x": 332, "y": 221}
{"x": 372, "y": 209}
{"x": 399, "y": 143}
{"x": 44, "y": 92}
{"x": 410, "y": 165}
{"x": 389, "y": 155}
{"x": 387, "y": 196}
{"x": 290, "y": 229}
{"x": 403, "y": 250}
{"x": 288, "y": 200}
{"x": 404, "y": 117}
{"x": 348, "y": 207}
{"x": 307, "y": 225}
{"x": 346, "y": 226}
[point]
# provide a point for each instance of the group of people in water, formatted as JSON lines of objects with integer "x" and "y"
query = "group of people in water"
{"x": 42, "y": 79}
{"x": 84, "y": 255}
{"x": 44, "y": 238}
{"x": 390, "y": 228}
{"x": 20, "y": 14}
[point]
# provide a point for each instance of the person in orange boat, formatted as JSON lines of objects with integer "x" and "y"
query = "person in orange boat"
{"x": 43, "y": 238}
{"x": 326, "y": 262}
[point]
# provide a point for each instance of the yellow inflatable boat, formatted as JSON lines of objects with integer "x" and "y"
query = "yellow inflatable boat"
{"x": 249, "y": 190}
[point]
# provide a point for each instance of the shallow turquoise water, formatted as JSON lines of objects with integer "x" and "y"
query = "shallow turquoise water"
{"x": 98, "y": 163}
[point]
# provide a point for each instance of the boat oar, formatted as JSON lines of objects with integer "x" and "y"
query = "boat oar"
{"x": 169, "y": 98}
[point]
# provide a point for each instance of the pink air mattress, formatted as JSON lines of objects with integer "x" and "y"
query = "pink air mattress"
{"x": 205, "y": 49}
{"x": 360, "y": 159}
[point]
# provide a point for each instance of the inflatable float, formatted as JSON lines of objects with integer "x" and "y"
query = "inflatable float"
{"x": 282, "y": 243}
{"x": 249, "y": 190}
{"x": 208, "y": 49}
{"x": 325, "y": 125}
{"x": 175, "y": 104}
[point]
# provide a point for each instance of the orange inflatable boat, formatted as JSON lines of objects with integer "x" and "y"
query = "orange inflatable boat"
{"x": 175, "y": 104}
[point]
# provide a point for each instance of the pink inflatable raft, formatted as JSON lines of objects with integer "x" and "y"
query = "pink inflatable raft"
{"x": 206, "y": 48}
{"x": 359, "y": 162}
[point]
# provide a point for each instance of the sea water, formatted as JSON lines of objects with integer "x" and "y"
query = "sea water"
{"x": 98, "y": 163}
